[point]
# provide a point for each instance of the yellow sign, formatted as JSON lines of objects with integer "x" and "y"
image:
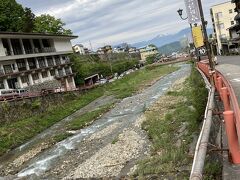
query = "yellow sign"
{"x": 197, "y": 36}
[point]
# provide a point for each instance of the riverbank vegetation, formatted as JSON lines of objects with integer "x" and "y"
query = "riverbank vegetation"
{"x": 172, "y": 124}
{"x": 87, "y": 65}
{"x": 13, "y": 134}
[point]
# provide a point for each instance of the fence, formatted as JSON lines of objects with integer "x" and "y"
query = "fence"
{"x": 231, "y": 110}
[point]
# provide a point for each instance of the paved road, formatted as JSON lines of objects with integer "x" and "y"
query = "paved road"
{"x": 234, "y": 60}
{"x": 229, "y": 66}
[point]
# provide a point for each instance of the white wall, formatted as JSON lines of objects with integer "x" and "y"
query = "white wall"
{"x": 62, "y": 45}
{"x": 2, "y": 50}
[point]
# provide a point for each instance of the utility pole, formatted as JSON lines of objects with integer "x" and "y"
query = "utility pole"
{"x": 206, "y": 42}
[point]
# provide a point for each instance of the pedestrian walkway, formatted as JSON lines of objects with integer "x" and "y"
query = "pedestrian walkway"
{"x": 232, "y": 74}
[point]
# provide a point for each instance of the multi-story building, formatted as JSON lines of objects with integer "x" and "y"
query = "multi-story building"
{"x": 148, "y": 51}
{"x": 235, "y": 29}
{"x": 222, "y": 18}
{"x": 35, "y": 61}
{"x": 79, "y": 49}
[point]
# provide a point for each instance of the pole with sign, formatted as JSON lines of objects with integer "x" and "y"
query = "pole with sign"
{"x": 192, "y": 11}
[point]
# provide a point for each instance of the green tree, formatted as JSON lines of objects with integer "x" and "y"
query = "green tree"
{"x": 28, "y": 20}
{"x": 49, "y": 24}
{"x": 11, "y": 16}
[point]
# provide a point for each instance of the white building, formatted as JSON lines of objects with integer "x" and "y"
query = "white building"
{"x": 79, "y": 48}
{"x": 29, "y": 60}
{"x": 148, "y": 51}
{"x": 222, "y": 15}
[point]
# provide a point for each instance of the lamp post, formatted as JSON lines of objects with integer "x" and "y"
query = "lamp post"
{"x": 180, "y": 13}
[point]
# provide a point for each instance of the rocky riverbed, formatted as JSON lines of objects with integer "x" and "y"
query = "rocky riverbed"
{"x": 109, "y": 148}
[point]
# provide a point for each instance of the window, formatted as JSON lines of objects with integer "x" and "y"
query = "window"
{"x": 52, "y": 72}
{"x": 64, "y": 58}
{"x": 8, "y": 69}
{"x": 219, "y": 15}
{"x": 57, "y": 60}
{"x": 21, "y": 65}
{"x": 230, "y": 11}
{"x": 1, "y": 85}
{"x": 32, "y": 63}
{"x": 223, "y": 36}
{"x": 221, "y": 26}
{"x": 41, "y": 62}
{"x": 44, "y": 74}
{"x": 232, "y": 22}
{"x": 35, "y": 76}
{"x": 24, "y": 79}
{"x": 50, "y": 61}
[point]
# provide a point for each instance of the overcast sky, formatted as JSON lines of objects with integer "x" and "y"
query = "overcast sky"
{"x": 115, "y": 21}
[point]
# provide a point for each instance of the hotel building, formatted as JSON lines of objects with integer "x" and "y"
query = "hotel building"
{"x": 35, "y": 61}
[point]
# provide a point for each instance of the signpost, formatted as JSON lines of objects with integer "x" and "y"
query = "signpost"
{"x": 197, "y": 36}
{"x": 192, "y": 9}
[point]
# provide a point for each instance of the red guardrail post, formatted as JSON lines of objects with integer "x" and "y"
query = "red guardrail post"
{"x": 219, "y": 85}
{"x": 232, "y": 136}
{"x": 225, "y": 98}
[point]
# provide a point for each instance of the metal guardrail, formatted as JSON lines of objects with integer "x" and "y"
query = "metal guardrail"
{"x": 231, "y": 111}
{"x": 203, "y": 139}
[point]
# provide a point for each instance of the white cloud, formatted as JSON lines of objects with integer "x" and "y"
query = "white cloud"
{"x": 116, "y": 21}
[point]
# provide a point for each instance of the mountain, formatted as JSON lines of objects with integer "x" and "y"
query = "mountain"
{"x": 161, "y": 40}
{"x": 171, "y": 47}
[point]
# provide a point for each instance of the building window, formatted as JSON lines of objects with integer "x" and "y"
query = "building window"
{"x": 52, "y": 72}
{"x": 50, "y": 61}
{"x": 21, "y": 65}
{"x": 219, "y": 15}
{"x": 221, "y": 26}
{"x": 35, "y": 76}
{"x": 57, "y": 60}
{"x": 32, "y": 63}
{"x": 230, "y": 11}
{"x": 24, "y": 79}
{"x": 41, "y": 62}
{"x": 8, "y": 69}
{"x": 232, "y": 22}
{"x": 44, "y": 74}
{"x": 1, "y": 85}
{"x": 223, "y": 36}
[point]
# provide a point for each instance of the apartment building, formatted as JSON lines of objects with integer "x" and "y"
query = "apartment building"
{"x": 148, "y": 51}
{"x": 35, "y": 61}
{"x": 222, "y": 18}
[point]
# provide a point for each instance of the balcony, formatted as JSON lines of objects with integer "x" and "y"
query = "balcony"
{"x": 31, "y": 51}
{"x": 62, "y": 75}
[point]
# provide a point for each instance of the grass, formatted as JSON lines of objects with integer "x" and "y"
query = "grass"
{"x": 17, "y": 133}
{"x": 88, "y": 117}
{"x": 169, "y": 153}
{"x": 62, "y": 136}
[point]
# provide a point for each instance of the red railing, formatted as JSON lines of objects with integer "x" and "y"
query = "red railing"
{"x": 231, "y": 110}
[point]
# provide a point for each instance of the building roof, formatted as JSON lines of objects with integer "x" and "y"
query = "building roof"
{"x": 37, "y": 35}
{"x": 221, "y": 3}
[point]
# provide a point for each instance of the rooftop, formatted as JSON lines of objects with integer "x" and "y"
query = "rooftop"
{"x": 37, "y": 35}
{"x": 221, "y": 4}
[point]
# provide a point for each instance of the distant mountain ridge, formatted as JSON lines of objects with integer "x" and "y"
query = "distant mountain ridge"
{"x": 171, "y": 47}
{"x": 161, "y": 40}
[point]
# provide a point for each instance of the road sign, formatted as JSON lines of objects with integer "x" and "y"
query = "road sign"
{"x": 192, "y": 11}
{"x": 202, "y": 51}
{"x": 197, "y": 36}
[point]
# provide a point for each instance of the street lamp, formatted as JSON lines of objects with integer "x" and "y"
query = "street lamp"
{"x": 180, "y": 12}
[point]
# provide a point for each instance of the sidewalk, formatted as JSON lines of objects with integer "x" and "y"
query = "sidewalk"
{"x": 232, "y": 74}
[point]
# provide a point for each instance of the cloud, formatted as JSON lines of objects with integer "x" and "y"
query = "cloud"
{"x": 116, "y": 21}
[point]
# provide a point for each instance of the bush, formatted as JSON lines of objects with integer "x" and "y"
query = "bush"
{"x": 84, "y": 67}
